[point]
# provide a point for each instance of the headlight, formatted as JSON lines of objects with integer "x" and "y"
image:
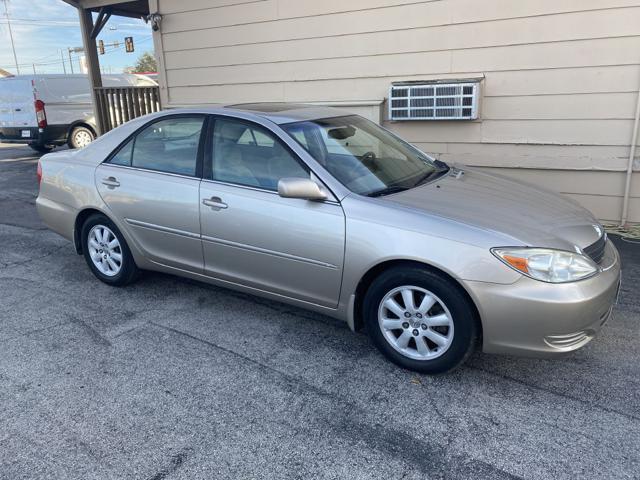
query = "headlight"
{"x": 547, "y": 265}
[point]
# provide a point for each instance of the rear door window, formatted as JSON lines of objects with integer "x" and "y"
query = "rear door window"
{"x": 169, "y": 145}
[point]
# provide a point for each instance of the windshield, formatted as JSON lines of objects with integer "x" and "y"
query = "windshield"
{"x": 365, "y": 158}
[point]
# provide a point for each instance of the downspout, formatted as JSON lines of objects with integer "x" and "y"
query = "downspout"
{"x": 632, "y": 154}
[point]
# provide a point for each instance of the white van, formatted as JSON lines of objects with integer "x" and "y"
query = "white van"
{"x": 44, "y": 111}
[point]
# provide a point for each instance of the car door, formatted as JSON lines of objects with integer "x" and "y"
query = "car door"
{"x": 151, "y": 184}
{"x": 251, "y": 235}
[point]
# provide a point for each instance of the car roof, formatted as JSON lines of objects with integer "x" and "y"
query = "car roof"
{"x": 279, "y": 112}
{"x": 276, "y": 112}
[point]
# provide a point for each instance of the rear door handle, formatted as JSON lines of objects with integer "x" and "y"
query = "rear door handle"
{"x": 110, "y": 182}
{"x": 214, "y": 202}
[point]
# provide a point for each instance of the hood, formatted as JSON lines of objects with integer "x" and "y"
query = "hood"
{"x": 530, "y": 215}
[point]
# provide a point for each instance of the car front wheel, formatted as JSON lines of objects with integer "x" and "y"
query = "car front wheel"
{"x": 106, "y": 252}
{"x": 420, "y": 319}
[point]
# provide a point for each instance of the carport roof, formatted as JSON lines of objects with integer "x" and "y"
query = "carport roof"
{"x": 123, "y": 8}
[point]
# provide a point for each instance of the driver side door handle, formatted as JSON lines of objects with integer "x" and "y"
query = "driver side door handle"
{"x": 110, "y": 182}
{"x": 215, "y": 203}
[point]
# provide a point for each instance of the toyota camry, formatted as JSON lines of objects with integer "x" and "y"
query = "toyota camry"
{"x": 328, "y": 211}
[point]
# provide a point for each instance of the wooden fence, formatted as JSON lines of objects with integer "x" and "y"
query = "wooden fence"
{"x": 117, "y": 105}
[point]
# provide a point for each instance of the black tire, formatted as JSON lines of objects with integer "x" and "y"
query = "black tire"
{"x": 74, "y": 141}
{"x": 462, "y": 312}
{"x": 128, "y": 272}
{"x": 41, "y": 148}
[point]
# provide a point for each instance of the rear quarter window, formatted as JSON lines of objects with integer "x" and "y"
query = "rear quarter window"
{"x": 123, "y": 157}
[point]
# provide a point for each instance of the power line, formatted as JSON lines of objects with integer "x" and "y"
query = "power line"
{"x": 60, "y": 23}
{"x": 71, "y": 19}
{"x": 41, "y": 22}
{"x": 76, "y": 56}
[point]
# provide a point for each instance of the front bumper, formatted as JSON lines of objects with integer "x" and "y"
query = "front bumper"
{"x": 535, "y": 318}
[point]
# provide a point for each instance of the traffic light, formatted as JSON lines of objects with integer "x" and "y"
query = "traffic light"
{"x": 101, "y": 47}
{"x": 128, "y": 44}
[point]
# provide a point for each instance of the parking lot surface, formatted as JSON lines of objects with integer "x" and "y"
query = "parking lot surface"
{"x": 173, "y": 379}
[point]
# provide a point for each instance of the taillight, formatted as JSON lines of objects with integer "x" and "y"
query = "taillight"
{"x": 41, "y": 115}
{"x": 39, "y": 173}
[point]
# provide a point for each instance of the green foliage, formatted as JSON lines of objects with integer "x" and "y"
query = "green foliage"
{"x": 145, "y": 63}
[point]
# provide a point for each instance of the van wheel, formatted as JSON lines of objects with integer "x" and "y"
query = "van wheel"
{"x": 420, "y": 320}
{"x": 41, "y": 148}
{"x": 80, "y": 137}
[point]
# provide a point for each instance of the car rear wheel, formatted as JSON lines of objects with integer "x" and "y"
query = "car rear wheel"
{"x": 420, "y": 319}
{"x": 41, "y": 148}
{"x": 106, "y": 252}
{"x": 80, "y": 137}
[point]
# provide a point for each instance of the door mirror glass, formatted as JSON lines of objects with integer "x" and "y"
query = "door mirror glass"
{"x": 300, "y": 188}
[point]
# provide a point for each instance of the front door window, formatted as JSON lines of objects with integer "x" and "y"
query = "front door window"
{"x": 248, "y": 155}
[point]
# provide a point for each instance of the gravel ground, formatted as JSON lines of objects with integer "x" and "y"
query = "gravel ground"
{"x": 174, "y": 379}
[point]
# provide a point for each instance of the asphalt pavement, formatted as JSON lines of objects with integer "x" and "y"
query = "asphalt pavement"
{"x": 174, "y": 379}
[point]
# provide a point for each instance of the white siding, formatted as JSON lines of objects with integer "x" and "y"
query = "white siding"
{"x": 559, "y": 77}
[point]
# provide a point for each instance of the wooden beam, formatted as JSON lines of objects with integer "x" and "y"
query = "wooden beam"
{"x": 100, "y": 3}
{"x": 96, "y": 25}
{"x": 93, "y": 64}
{"x": 123, "y": 8}
{"x": 101, "y": 21}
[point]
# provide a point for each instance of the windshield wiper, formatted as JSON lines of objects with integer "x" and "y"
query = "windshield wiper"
{"x": 432, "y": 175}
{"x": 441, "y": 165}
{"x": 387, "y": 191}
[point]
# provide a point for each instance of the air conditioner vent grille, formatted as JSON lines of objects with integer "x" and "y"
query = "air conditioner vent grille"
{"x": 434, "y": 101}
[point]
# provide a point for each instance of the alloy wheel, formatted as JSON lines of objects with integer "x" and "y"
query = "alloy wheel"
{"x": 415, "y": 322}
{"x": 105, "y": 250}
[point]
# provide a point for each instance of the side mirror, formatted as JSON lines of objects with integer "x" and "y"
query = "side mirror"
{"x": 300, "y": 188}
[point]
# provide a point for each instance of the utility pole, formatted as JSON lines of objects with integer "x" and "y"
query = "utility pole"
{"x": 34, "y": 68}
{"x": 13, "y": 47}
{"x": 70, "y": 61}
{"x": 75, "y": 50}
{"x": 64, "y": 66}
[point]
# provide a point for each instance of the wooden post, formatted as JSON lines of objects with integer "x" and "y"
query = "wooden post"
{"x": 91, "y": 54}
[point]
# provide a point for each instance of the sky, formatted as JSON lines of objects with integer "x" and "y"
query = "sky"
{"x": 42, "y": 28}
